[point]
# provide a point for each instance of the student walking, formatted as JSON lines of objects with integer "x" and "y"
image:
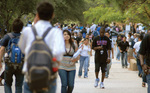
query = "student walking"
{"x": 123, "y": 47}
{"x": 84, "y": 58}
{"x": 111, "y": 55}
{"x": 67, "y": 68}
{"x": 136, "y": 51}
{"x": 118, "y": 51}
{"x": 101, "y": 45}
{"x": 42, "y": 33}
{"x": 12, "y": 66}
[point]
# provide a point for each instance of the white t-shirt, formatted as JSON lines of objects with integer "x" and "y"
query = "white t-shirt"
{"x": 54, "y": 40}
{"x": 137, "y": 46}
{"x": 93, "y": 27}
{"x": 85, "y": 50}
{"x": 88, "y": 30}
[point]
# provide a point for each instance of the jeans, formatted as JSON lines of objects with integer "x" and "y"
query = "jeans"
{"x": 139, "y": 66}
{"x": 84, "y": 61}
{"x": 124, "y": 59}
{"x": 148, "y": 82}
{"x": 107, "y": 70}
{"x": 118, "y": 54}
{"x": 67, "y": 80}
{"x": 51, "y": 90}
{"x": 8, "y": 76}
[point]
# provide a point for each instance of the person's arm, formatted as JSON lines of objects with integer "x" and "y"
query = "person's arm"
{"x": 2, "y": 51}
{"x": 143, "y": 49}
{"x": 108, "y": 50}
{"x": 119, "y": 49}
{"x": 127, "y": 46}
{"x": 112, "y": 50}
{"x": 134, "y": 51}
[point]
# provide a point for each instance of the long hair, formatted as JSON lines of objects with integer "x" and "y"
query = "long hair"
{"x": 70, "y": 40}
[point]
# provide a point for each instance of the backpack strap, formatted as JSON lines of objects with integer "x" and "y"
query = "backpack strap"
{"x": 34, "y": 31}
{"x": 11, "y": 35}
{"x": 45, "y": 33}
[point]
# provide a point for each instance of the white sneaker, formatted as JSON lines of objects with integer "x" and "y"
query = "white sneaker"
{"x": 102, "y": 85}
{"x": 96, "y": 82}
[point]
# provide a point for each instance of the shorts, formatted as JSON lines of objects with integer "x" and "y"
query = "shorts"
{"x": 130, "y": 52}
{"x": 101, "y": 65}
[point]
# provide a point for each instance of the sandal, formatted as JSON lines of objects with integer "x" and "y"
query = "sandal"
{"x": 143, "y": 84}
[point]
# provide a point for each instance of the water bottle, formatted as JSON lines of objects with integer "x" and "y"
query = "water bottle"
{"x": 55, "y": 67}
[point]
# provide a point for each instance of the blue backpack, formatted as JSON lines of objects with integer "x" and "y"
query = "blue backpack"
{"x": 14, "y": 53}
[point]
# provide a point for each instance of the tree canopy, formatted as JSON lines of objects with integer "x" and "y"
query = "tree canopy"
{"x": 64, "y": 10}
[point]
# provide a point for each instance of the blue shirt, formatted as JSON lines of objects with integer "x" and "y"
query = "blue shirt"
{"x": 99, "y": 28}
{"x": 6, "y": 39}
{"x": 81, "y": 27}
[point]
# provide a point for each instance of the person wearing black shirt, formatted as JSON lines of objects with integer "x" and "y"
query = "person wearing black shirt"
{"x": 118, "y": 51}
{"x": 101, "y": 45}
{"x": 145, "y": 54}
{"x": 123, "y": 47}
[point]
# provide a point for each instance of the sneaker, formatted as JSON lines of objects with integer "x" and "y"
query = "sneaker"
{"x": 85, "y": 76}
{"x": 102, "y": 85}
{"x": 96, "y": 82}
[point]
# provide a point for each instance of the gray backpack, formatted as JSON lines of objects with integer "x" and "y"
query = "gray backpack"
{"x": 40, "y": 64}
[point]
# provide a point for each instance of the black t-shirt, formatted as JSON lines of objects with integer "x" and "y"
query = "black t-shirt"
{"x": 6, "y": 39}
{"x": 123, "y": 46}
{"x": 101, "y": 41}
{"x": 145, "y": 48}
{"x": 118, "y": 41}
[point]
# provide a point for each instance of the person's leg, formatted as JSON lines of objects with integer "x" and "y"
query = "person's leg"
{"x": 103, "y": 69}
{"x": 122, "y": 60}
{"x": 82, "y": 59}
{"x": 118, "y": 54}
{"x": 107, "y": 70}
{"x": 63, "y": 77}
{"x": 26, "y": 88}
{"x": 1, "y": 78}
{"x": 148, "y": 82}
{"x": 71, "y": 79}
{"x": 86, "y": 62}
{"x": 19, "y": 80}
{"x": 139, "y": 66}
{"x": 97, "y": 68}
{"x": 52, "y": 87}
{"x": 8, "y": 79}
{"x": 125, "y": 59}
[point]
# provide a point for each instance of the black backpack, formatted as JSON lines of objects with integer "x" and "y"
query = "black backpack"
{"x": 40, "y": 64}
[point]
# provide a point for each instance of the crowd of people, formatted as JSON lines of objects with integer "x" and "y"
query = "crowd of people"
{"x": 64, "y": 47}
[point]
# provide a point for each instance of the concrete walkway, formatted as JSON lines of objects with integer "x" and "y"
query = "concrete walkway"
{"x": 119, "y": 81}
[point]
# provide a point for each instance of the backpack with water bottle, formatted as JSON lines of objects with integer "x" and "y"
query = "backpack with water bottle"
{"x": 41, "y": 65}
{"x": 14, "y": 56}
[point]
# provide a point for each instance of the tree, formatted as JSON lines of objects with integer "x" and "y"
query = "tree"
{"x": 135, "y": 10}
{"x": 103, "y": 13}
{"x": 10, "y": 9}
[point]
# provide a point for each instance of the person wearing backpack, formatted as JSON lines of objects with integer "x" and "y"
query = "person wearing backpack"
{"x": 13, "y": 58}
{"x": 67, "y": 68}
{"x": 43, "y": 47}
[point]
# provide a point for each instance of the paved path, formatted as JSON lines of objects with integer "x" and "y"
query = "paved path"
{"x": 119, "y": 81}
